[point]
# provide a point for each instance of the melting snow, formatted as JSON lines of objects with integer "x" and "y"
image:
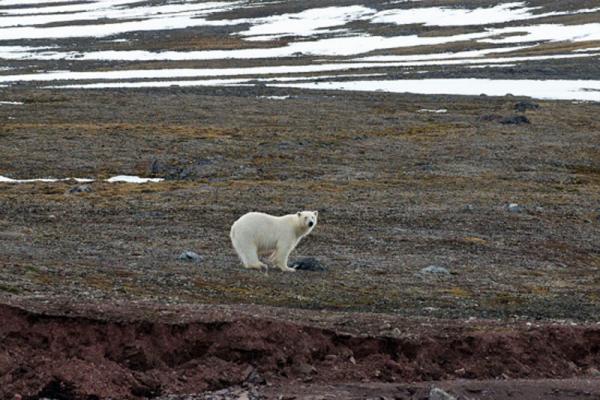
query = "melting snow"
{"x": 542, "y": 89}
{"x": 305, "y": 23}
{"x": 447, "y": 16}
{"x": 132, "y": 179}
{"x": 258, "y": 71}
{"x": 118, "y": 178}
{"x": 440, "y": 111}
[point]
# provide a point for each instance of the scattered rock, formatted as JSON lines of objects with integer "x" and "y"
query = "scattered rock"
{"x": 434, "y": 269}
{"x": 331, "y": 358}
{"x": 593, "y": 372}
{"x": 190, "y": 256}
{"x": 468, "y": 208}
{"x": 523, "y": 106}
{"x": 254, "y": 377}
{"x": 439, "y": 394}
{"x": 304, "y": 369}
{"x": 81, "y": 189}
{"x": 308, "y": 264}
{"x": 515, "y": 120}
{"x": 514, "y": 208}
{"x": 505, "y": 120}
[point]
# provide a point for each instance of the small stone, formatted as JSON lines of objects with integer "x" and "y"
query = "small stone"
{"x": 434, "y": 269}
{"x": 243, "y": 396}
{"x": 305, "y": 369}
{"x": 439, "y": 394}
{"x": 253, "y": 377}
{"x": 307, "y": 264}
{"x": 468, "y": 208}
{"x": 330, "y": 357}
{"x": 515, "y": 120}
{"x": 352, "y": 360}
{"x": 514, "y": 208}
{"x": 190, "y": 256}
{"x": 593, "y": 372}
{"x": 81, "y": 189}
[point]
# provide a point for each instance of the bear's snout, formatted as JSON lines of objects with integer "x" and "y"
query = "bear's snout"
{"x": 310, "y": 224}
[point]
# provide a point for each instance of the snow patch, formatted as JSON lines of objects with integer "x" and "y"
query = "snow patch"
{"x": 118, "y": 178}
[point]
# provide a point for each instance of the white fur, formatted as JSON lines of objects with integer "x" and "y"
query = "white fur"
{"x": 258, "y": 234}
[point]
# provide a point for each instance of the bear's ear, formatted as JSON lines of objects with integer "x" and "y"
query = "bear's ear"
{"x": 316, "y": 213}
{"x": 299, "y": 213}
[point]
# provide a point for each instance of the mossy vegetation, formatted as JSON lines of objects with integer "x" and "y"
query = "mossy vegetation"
{"x": 397, "y": 190}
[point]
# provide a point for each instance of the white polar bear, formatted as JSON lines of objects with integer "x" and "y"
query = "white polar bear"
{"x": 258, "y": 234}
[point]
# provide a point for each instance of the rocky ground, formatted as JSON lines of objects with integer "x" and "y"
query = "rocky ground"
{"x": 398, "y": 190}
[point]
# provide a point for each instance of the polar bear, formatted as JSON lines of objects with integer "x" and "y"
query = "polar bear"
{"x": 258, "y": 234}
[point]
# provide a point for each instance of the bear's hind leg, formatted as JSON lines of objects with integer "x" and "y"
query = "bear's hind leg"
{"x": 251, "y": 260}
{"x": 248, "y": 255}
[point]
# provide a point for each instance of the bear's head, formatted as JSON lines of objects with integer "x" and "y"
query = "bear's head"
{"x": 307, "y": 220}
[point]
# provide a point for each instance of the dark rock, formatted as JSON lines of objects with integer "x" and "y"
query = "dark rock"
{"x": 156, "y": 167}
{"x": 523, "y": 106}
{"x": 514, "y": 120}
{"x": 81, "y": 189}
{"x": 304, "y": 369}
{"x": 254, "y": 377}
{"x": 190, "y": 256}
{"x": 307, "y": 264}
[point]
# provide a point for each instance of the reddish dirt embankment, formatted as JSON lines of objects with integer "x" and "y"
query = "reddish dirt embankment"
{"x": 75, "y": 357}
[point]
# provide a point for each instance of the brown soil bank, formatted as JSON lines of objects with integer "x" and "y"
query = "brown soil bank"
{"x": 65, "y": 357}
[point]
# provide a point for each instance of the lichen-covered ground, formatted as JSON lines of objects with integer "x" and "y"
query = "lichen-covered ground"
{"x": 397, "y": 190}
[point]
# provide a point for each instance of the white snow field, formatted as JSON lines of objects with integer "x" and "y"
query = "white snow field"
{"x": 333, "y": 40}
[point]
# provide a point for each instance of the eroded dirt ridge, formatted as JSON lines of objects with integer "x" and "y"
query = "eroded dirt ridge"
{"x": 76, "y": 358}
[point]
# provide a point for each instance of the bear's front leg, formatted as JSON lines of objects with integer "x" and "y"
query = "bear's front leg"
{"x": 281, "y": 258}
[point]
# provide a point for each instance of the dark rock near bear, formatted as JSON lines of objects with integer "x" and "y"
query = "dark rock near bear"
{"x": 308, "y": 264}
{"x": 190, "y": 256}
